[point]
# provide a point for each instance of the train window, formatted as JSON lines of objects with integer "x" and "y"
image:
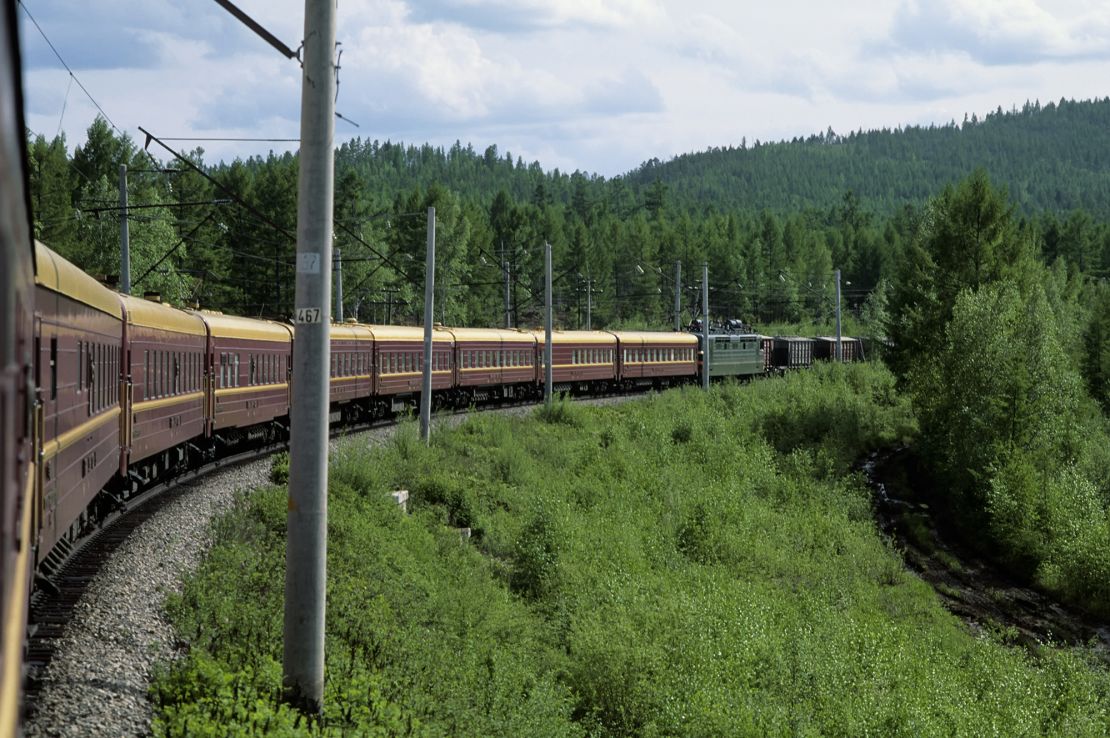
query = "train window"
{"x": 236, "y": 370}
{"x": 80, "y": 366}
{"x": 146, "y": 374}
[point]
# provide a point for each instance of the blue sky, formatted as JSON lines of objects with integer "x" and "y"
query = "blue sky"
{"x": 595, "y": 85}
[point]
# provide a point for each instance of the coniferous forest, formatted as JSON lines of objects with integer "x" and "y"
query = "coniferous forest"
{"x": 771, "y": 220}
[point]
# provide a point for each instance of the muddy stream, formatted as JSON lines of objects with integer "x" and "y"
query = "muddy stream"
{"x": 976, "y": 589}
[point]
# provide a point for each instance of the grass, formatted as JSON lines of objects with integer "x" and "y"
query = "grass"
{"x": 689, "y": 564}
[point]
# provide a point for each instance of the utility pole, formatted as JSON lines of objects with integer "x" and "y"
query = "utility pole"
{"x": 306, "y": 546}
{"x": 705, "y": 325}
{"x": 677, "y": 295}
{"x": 838, "y": 354}
{"x": 508, "y": 301}
{"x": 338, "y": 287}
{"x": 589, "y": 302}
{"x": 124, "y": 235}
{"x": 429, "y": 319}
{"x": 547, "y": 325}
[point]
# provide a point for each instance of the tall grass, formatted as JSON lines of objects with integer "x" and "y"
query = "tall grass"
{"x": 688, "y": 564}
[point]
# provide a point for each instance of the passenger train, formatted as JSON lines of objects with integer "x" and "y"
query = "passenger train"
{"x": 103, "y": 395}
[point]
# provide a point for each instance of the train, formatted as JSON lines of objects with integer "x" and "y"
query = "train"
{"x": 103, "y": 395}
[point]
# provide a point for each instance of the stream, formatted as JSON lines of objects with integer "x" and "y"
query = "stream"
{"x": 978, "y": 590}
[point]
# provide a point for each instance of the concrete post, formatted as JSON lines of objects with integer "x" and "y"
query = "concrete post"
{"x": 306, "y": 547}
{"x": 705, "y": 325}
{"x": 429, "y": 320}
{"x": 589, "y": 304}
{"x": 839, "y": 356}
{"x": 678, "y": 295}
{"x": 124, "y": 235}
{"x": 338, "y": 286}
{"x": 547, "y": 324}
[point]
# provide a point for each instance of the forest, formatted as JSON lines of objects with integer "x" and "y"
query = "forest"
{"x": 772, "y": 221}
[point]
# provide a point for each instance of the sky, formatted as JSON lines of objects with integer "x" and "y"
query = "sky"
{"x": 593, "y": 85}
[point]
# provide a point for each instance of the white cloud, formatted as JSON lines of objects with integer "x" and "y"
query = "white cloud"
{"x": 1001, "y": 31}
{"x": 578, "y": 84}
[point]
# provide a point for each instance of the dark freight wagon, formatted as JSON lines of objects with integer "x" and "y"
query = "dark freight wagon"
{"x": 793, "y": 352}
{"x": 824, "y": 347}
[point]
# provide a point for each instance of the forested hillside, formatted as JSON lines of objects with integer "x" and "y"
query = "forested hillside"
{"x": 772, "y": 221}
{"x": 1052, "y": 157}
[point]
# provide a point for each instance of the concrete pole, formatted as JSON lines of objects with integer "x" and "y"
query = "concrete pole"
{"x": 839, "y": 356}
{"x": 508, "y": 300}
{"x": 429, "y": 319}
{"x": 124, "y": 235}
{"x": 338, "y": 287}
{"x": 705, "y": 325}
{"x": 306, "y": 547}
{"x": 589, "y": 304}
{"x": 677, "y": 295}
{"x": 547, "y": 325}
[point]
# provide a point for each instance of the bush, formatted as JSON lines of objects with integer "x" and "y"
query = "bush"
{"x": 625, "y": 583}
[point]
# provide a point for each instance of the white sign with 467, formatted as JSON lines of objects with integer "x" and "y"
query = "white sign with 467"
{"x": 308, "y": 315}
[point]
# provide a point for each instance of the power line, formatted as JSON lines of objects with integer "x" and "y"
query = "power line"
{"x": 71, "y": 74}
{"x": 223, "y": 138}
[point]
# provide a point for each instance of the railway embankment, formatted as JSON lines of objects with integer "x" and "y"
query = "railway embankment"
{"x": 693, "y": 563}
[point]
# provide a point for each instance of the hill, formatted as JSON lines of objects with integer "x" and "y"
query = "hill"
{"x": 1051, "y": 158}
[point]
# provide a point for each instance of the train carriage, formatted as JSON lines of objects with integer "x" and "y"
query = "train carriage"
{"x": 17, "y": 465}
{"x": 165, "y": 350}
{"x": 247, "y": 379}
{"x": 735, "y": 355}
{"x": 350, "y": 370}
{"x": 824, "y": 347}
{"x": 398, "y": 365}
{"x": 492, "y": 363}
{"x": 650, "y": 359}
{"x": 77, "y": 369}
{"x": 581, "y": 361}
{"x": 767, "y": 349}
{"x": 793, "y": 352}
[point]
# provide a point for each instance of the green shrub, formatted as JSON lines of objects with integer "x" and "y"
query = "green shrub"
{"x": 626, "y": 582}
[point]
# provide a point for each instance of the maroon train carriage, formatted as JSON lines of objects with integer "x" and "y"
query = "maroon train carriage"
{"x": 824, "y": 347}
{"x": 78, "y": 325}
{"x": 581, "y": 361}
{"x": 650, "y": 359}
{"x": 17, "y": 465}
{"x": 493, "y": 363}
{"x": 398, "y": 366}
{"x": 248, "y": 377}
{"x": 166, "y": 350}
{"x": 351, "y": 378}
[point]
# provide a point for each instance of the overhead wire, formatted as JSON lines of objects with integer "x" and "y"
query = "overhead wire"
{"x": 63, "y": 61}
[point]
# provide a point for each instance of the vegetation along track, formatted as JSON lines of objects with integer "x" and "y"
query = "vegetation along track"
{"x": 975, "y": 589}
{"x": 61, "y": 598}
